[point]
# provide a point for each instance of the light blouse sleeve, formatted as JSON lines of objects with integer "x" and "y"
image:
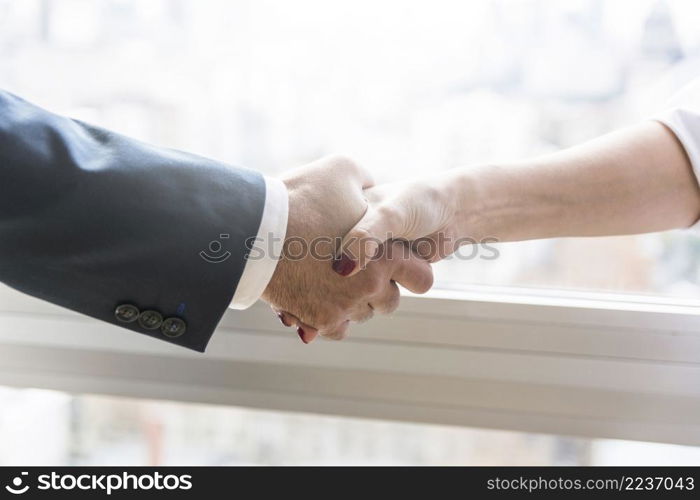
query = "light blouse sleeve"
{"x": 682, "y": 116}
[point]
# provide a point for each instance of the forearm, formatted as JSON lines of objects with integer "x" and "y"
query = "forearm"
{"x": 637, "y": 180}
{"x": 114, "y": 228}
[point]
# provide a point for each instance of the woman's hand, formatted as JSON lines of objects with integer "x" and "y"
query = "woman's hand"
{"x": 424, "y": 212}
{"x": 637, "y": 180}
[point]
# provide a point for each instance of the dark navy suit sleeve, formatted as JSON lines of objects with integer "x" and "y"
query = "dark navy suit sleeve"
{"x": 92, "y": 220}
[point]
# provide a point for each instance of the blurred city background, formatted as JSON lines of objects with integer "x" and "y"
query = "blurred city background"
{"x": 407, "y": 88}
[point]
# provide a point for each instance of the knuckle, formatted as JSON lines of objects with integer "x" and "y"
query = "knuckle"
{"x": 425, "y": 283}
{"x": 390, "y": 303}
{"x": 334, "y": 335}
{"x": 346, "y": 166}
{"x": 338, "y": 331}
{"x": 328, "y": 319}
{"x": 344, "y": 163}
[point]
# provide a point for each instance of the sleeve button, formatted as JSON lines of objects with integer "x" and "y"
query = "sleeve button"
{"x": 126, "y": 313}
{"x": 173, "y": 327}
{"x": 150, "y": 320}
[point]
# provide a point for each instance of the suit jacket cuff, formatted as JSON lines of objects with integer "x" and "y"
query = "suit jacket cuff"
{"x": 266, "y": 248}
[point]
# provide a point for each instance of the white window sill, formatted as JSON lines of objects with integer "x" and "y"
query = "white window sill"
{"x": 566, "y": 363}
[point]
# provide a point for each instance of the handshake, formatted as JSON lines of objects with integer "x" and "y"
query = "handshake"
{"x": 633, "y": 181}
{"x": 108, "y": 226}
{"x": 349, "y": 244}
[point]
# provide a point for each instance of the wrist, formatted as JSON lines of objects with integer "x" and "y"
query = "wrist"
{"x": 463, "y": 192}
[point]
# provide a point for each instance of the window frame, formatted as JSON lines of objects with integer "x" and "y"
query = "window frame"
{"x": 544, "y": 361}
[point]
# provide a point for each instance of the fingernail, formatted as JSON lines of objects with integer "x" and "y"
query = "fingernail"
{"x": 344, "y": 265}
{"x": 281, "y": 317}
{"x": 300, "y": 332}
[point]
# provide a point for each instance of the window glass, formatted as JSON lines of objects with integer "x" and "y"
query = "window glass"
{"x": 100, "y": 430}
{"x": 405, "y": 87}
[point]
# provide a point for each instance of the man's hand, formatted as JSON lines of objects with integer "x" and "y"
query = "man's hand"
{"x": 325, "y": 202}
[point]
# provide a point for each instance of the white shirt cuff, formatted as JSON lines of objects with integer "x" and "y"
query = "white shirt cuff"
{"x": 267, "y": 248}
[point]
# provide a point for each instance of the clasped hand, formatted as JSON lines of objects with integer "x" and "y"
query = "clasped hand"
{"x": 314, "y": 290}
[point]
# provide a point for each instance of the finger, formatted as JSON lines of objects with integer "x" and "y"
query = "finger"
{"x": 338, "y": 333}
{"x": 409, "y": 270}
{"x": 306, "y": 333}
{"x": 387, "y": 300}
{"x": 285, "y": 318}
{"x": 362, "y": 175}
{"x": 362, "y": 242}
{"x": 433, "y": 248}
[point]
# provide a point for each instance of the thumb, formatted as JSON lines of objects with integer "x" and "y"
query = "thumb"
{"x": 362, "y": 242}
